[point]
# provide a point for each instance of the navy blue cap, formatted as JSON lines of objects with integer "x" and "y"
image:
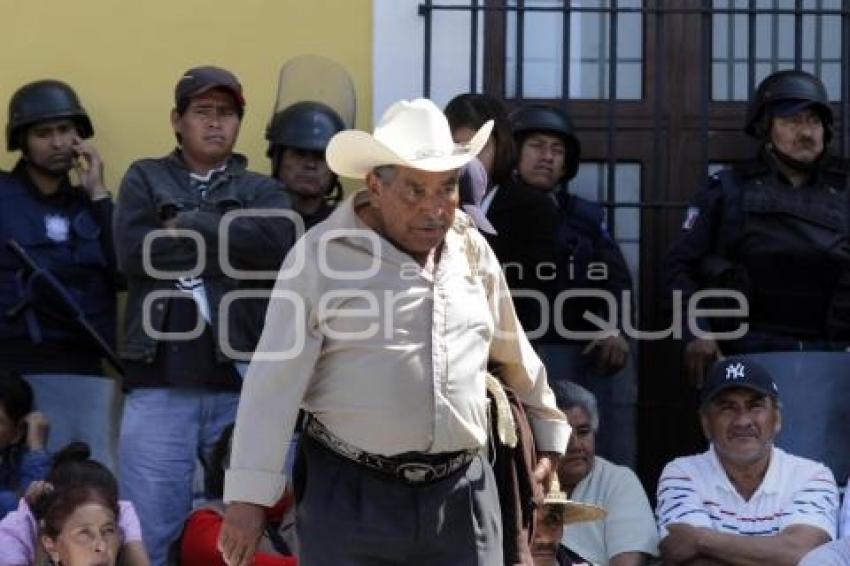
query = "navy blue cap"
{"x": 737, "y": 371}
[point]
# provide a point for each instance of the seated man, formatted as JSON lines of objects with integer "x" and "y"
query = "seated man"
{"x": 23, "y": 437}
{"x": 744, "y": 501}
{"x": 627, "y": 535}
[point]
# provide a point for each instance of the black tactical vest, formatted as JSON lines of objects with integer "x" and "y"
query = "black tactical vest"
{"x": 792, "y": 245}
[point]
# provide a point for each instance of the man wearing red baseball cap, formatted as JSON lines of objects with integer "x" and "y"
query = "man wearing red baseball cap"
{"x": 185, "y": 332}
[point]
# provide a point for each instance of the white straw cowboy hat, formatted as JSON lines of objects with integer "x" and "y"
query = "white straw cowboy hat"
{"x": 411, "y": 133}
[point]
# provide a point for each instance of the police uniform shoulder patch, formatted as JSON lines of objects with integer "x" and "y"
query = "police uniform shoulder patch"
{"x": 690, "y": 217}
{"x": 57, "y": 227}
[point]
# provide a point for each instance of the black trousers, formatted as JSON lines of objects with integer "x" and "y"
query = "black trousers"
{"x": 349, "y": 515}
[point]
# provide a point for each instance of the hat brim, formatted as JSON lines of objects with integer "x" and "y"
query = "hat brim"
{"x": 233, "y": 91}
{"x": 354, "y": 154}
{"x": 576, "y": 512}
{"x": 709, "y": 395}
{"x": 787, "y": 108}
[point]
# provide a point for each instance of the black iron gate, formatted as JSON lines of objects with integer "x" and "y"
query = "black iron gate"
{"x": 696, "y": 62}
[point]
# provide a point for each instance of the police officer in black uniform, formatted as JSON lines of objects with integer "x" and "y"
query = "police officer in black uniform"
{"x": 586, "y": 257}
{"x": 548, "y": 157}
{"x": 773, "y": 228}
{"x": 66, "y": 228}
{"x": 298, "y": 136}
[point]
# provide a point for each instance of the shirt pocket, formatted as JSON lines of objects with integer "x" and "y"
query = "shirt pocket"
{"x": 470, "y": 306}
{"x": 87, "y": 240}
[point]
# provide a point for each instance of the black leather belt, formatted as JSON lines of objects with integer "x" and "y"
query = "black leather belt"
{"x": 411, "y": 468}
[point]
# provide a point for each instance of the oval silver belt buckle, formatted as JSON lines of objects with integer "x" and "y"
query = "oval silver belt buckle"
{"x": 416, "y": 472}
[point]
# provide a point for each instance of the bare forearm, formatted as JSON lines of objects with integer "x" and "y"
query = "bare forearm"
{"x": 777, "y": 550}
{"x": 628, "y": 559}
{"x": 704, "y": 561}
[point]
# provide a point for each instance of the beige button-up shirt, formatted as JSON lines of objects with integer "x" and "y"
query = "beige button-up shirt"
{"x": 388, "y": 355}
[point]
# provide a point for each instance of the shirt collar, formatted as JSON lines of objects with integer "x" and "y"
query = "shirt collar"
{"x": 65, "y": 191}
{"x": 206, "y": 179}
{"x": 772, "y": 162}
{"x": 769, "y": 484}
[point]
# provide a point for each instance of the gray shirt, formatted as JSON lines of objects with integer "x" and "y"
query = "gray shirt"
{"x": 390, "y": 356}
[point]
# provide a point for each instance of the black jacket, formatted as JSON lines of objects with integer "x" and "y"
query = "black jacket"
{"x": 526, "y": 220}
{"x": 152, "y": 188}
{"x": 783, "y": 247}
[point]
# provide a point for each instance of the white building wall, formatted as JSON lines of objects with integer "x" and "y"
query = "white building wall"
{"x": 398, "y": 47}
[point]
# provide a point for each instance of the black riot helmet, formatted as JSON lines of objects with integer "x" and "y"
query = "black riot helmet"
{"x": 530, "y": 119}
{"x": 40, "y": 101}
{"x": 785, "y": 88}
{"x": 304, "y": 125}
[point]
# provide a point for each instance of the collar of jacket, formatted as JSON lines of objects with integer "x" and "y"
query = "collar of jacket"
{"x": 559, "y": 193}
{"x": 66, "y": 191}
{"x": 765, "y": 163}
{"x": 236, "y": 163}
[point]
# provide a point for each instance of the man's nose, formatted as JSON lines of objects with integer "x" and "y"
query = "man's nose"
{"x": 742, "y": 418}
{"x": 214, "y": 119}
{"x": 57, "y": 139}
{"x": 311, "y": 161}
{"x": 435, "y": 206}
{"x": 807, "y": 129}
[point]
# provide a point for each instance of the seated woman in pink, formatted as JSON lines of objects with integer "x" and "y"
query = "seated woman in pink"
{"x": 72, "y": 470}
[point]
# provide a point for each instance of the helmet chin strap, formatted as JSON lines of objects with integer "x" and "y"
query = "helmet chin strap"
{"x": 796, "y": 164}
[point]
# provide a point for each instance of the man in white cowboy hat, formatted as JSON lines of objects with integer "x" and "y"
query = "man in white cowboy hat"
{"x": 384, "y": 320}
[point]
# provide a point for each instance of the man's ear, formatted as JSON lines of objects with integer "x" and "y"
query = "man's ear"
{"x": 373, "y": 183}
{"x": 778, "y": 426}
{"x": 374, "y": 187}
{"x": 703, "y": 421}
{"x": 20, "y": 432}
{"x": 175, "y": 121}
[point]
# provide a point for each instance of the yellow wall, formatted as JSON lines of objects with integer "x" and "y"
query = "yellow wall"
{"x": 124, "y": 56}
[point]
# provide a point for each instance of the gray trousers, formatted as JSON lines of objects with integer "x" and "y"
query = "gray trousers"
{"x": 349, "y": 515}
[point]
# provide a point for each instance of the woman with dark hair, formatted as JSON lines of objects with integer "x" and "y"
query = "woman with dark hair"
{"x": 524, "y": 221}
{"x": 466, "y": 113}
{"x": 78, "y": 515}
{"x": 79, "y": 524}
{"x": 23, "y": 440}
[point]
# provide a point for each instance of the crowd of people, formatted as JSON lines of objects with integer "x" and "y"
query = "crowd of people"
{"x": 405, "y": 375}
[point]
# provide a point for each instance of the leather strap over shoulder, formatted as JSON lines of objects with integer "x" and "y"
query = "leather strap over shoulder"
{"x": 505, "y": 424}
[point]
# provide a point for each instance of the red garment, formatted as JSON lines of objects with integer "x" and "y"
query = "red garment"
{"x": 198, "y": 546}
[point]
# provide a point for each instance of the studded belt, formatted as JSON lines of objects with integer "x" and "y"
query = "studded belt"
{"x": 411, "y": 467}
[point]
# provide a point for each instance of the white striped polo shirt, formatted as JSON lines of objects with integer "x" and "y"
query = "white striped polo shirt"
{"x": 695, "y": 490}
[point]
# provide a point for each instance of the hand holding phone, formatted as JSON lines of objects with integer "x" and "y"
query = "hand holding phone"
{"x": 89, "y": 168}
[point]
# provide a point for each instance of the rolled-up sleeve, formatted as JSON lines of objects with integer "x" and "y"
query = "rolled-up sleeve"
{"x": 274, "y": 387}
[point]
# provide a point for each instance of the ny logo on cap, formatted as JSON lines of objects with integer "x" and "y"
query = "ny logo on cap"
{"x": 735, "y": 371}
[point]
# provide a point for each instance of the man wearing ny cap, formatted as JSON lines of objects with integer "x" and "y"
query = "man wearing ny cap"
{"x": 744, "y": 501}
{"x": 384, "y": 321}
{"x": 186, "y": 320}
{"x": 773, "y": 229}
